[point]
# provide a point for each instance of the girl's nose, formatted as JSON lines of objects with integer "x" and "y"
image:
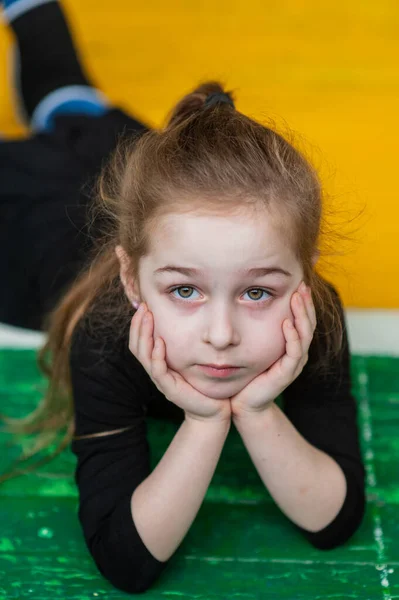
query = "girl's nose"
{"x": 221, "y": 331}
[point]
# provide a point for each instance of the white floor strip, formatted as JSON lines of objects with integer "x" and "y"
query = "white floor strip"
{"x": 371, "y": 332}
{"x": 367, "y": 433}
{"x": 299, "y": 561}
{"x": 15, "y": 337}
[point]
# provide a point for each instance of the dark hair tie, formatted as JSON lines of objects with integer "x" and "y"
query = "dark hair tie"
{"x": 217, "y": 97}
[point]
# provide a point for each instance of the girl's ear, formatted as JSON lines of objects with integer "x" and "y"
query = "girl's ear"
{"x": 128, "y": 284}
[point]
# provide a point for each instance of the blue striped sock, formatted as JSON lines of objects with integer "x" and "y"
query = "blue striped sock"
{"x": 47, "y": 71}
{"x": 15, "y": 8}
{"x": 72, "y": 99}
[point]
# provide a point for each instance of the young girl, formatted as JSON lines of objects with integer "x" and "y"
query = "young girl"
{"x": 211, "y": 228}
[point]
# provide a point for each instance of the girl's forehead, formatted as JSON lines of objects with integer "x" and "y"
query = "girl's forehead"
{"x": 243, "y": 223}
{"x": 204, "y": 241}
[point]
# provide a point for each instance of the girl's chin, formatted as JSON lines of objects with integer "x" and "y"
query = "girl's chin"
{"x": 218, "y": 390}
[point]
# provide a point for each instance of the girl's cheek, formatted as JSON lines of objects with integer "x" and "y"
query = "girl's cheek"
{"x": 159, "y": 331}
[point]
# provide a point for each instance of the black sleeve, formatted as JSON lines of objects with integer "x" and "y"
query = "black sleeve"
{"x": 109, "y": 392}
{"x": 323, "y": 409}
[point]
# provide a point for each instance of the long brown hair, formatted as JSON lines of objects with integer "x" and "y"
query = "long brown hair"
{"x": 211, "y": 158}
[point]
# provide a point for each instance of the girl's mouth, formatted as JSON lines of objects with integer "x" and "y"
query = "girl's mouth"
{"x": 219, "y": 373}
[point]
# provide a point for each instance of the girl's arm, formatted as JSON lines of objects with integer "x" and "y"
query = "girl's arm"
{"x": 306, "y": 483}
{"x": 324, "y": 410}
{"x": 309, "y": 458}
{"x": 131, "y": 535}
{"x": 165, "y": 504}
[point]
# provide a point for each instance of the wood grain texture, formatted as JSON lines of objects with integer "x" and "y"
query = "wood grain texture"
{"x": 240, "y": 542}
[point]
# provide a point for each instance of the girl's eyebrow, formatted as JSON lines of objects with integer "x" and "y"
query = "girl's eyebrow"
{"x": 254, "y": 272}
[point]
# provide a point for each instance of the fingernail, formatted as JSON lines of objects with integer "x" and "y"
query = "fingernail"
{"x": 302, "y": 287}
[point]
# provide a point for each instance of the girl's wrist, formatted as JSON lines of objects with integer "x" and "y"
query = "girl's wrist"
{"x": 216, "y": 422}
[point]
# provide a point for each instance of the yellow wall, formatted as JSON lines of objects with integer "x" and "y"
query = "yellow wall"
{"x": 328, "y": 70}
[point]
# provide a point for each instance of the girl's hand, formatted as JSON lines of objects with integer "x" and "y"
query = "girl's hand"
{"x": 174, "y": 387}
{"x": 258, "y": 395}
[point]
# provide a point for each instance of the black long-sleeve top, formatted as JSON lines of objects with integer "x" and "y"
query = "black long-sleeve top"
{"x": 112, "y": 391}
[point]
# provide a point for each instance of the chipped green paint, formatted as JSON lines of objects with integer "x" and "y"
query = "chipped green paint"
{"x": 44, "y": 532}
{"x": 58, "y": 487}
{"x": 6, "y": 545}
{"x": 61, "y": 559}
{"x": 10, "y": 558}
{"x": 240, "y": 543}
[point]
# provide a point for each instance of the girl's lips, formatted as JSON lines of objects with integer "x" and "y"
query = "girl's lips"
{"x": 218, "y": 372}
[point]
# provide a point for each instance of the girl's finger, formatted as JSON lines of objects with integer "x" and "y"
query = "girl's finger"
{"x": 135, "y": 329}
{"x": 302, "y": 321}
{"x": 159, "y": 367}
{"x": 160, "y": 374}
{"x": 146, "y": 341}
{"x": 294, "y": 346}
{"x": 310, "y": 308}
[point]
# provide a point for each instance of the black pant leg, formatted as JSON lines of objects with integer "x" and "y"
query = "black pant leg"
{"x": 43, "y": 208}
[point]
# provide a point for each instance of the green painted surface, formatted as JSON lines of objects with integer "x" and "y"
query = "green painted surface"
{"x": 240, "y": 543}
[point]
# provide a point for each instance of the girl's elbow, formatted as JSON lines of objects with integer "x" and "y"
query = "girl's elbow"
{"x": 337, "y": 534}
{"x": 127, "y": 570}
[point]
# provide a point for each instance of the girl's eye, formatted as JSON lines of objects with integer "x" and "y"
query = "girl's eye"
{"x": 261, "y": 291}
{"x": 186, "y": 295}
{"x": 184, "y": 288}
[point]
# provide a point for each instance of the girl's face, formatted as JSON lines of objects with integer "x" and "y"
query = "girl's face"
{"x": 217, "y": 312}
